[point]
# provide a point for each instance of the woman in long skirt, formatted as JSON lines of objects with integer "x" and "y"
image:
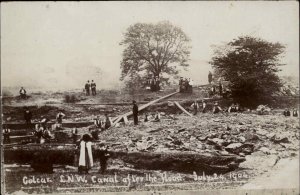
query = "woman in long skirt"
{"x": 85, "y": 156}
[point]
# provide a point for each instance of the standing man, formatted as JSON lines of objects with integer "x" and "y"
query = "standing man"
{"x": 157, "y": 83}
{"x": 153, "y": 84}
{"x": 220, "y": 88}
{"x": 6, "y": 135}
{"x": 22, "y": 93}
{"x": 135, "y": 111}
{"x": 103, "y": 156}
{"x": 93, "y": 87}
{"x": 87, "y": 88}
{"x": 60, "y": 115}
{"x": 180, "y": 84}
{"x": 209, "y": 77}
{"x": 191, "y": 83}
{"x": 27, "y": 116}
{"x": 107, "y": 121}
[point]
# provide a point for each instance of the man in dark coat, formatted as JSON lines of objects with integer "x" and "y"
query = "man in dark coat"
{"x": 107, "y": 122}
{"x": 135, "y": 111}
{"x": 27, "y": 116}
{"x": 93, "y": 87}
{"x": 220, "y": 89}
{"x": 87, "y": 88}
{"x": 6, "y": 135}
{"x": 209, "y": 77}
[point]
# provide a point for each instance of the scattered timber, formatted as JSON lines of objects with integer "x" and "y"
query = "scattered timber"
{"x": 181, "y": 108}
{"x": 144, "y": 106}
{"x": 66, "y": 154}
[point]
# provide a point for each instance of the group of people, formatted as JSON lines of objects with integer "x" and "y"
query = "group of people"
{"x": 153, "y": 83}
{"x": 235, "y": 107}
{"x": 103, "y": 124}
{"x": 90, "y": 87}
{"x": 185, "y": 85}
{"x": 216, "y": 89}
{"x": 294, "y": 113}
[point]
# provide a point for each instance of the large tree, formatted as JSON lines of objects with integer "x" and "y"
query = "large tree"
{"x": 250, "y": 65}
{"x": 154, "y": 49}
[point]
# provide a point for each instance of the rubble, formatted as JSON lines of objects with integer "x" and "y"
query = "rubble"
{"x": 263, "y": 109}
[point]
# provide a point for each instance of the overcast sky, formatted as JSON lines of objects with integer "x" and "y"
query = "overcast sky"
{"x": 60, "y": 45}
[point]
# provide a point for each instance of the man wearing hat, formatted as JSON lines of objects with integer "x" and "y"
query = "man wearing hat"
{"x": 135, "y": 111}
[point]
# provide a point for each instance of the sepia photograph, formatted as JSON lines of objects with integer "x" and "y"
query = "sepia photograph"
{"x": 150, "y": 97}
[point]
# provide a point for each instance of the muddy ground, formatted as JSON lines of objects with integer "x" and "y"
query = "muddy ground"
{"x": 266, "y": 141}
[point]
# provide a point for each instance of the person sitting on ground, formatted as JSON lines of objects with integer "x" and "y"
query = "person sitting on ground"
{"x": 295, "y": 112}
{"x": 86, "y": 154}
{"x": 287, "y": 112}
{"x": 195, "y": 107}
{"x": 38, "y": 133}
{"x": 146, "y": 117}
{"x": 107, "y": 122}
{"x": 6, "y": 135}
{"x": 232, "y": 108}
{"x": 103, "y": 157}
{"x": 94, "y": 133}
{"x": 46, "y": 136}
{"x": 216, "y": 108}
{"x": 44, "y": 121}
{"x": 157, "y": 117}
{"x": 22, "y": 93}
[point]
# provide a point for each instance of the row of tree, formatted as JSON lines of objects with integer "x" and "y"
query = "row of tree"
{"x": 249, "y": 64}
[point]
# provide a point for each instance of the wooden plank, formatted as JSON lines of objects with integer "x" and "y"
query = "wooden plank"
{"x": 181, "y": 108}
{"x": 18, "y": 126}
{"x": 65, "y": 155}
{"x": 125, "y": 119}
{"x": 143, "y": 107}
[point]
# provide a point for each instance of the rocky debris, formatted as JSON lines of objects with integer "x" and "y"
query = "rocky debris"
{"x": 265, "y": 150}
{"x": 237, "y": 148}
{"x": 280, "y": 139}
{"x": 247, "y": 134}
{"x": 263, "y": 109}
